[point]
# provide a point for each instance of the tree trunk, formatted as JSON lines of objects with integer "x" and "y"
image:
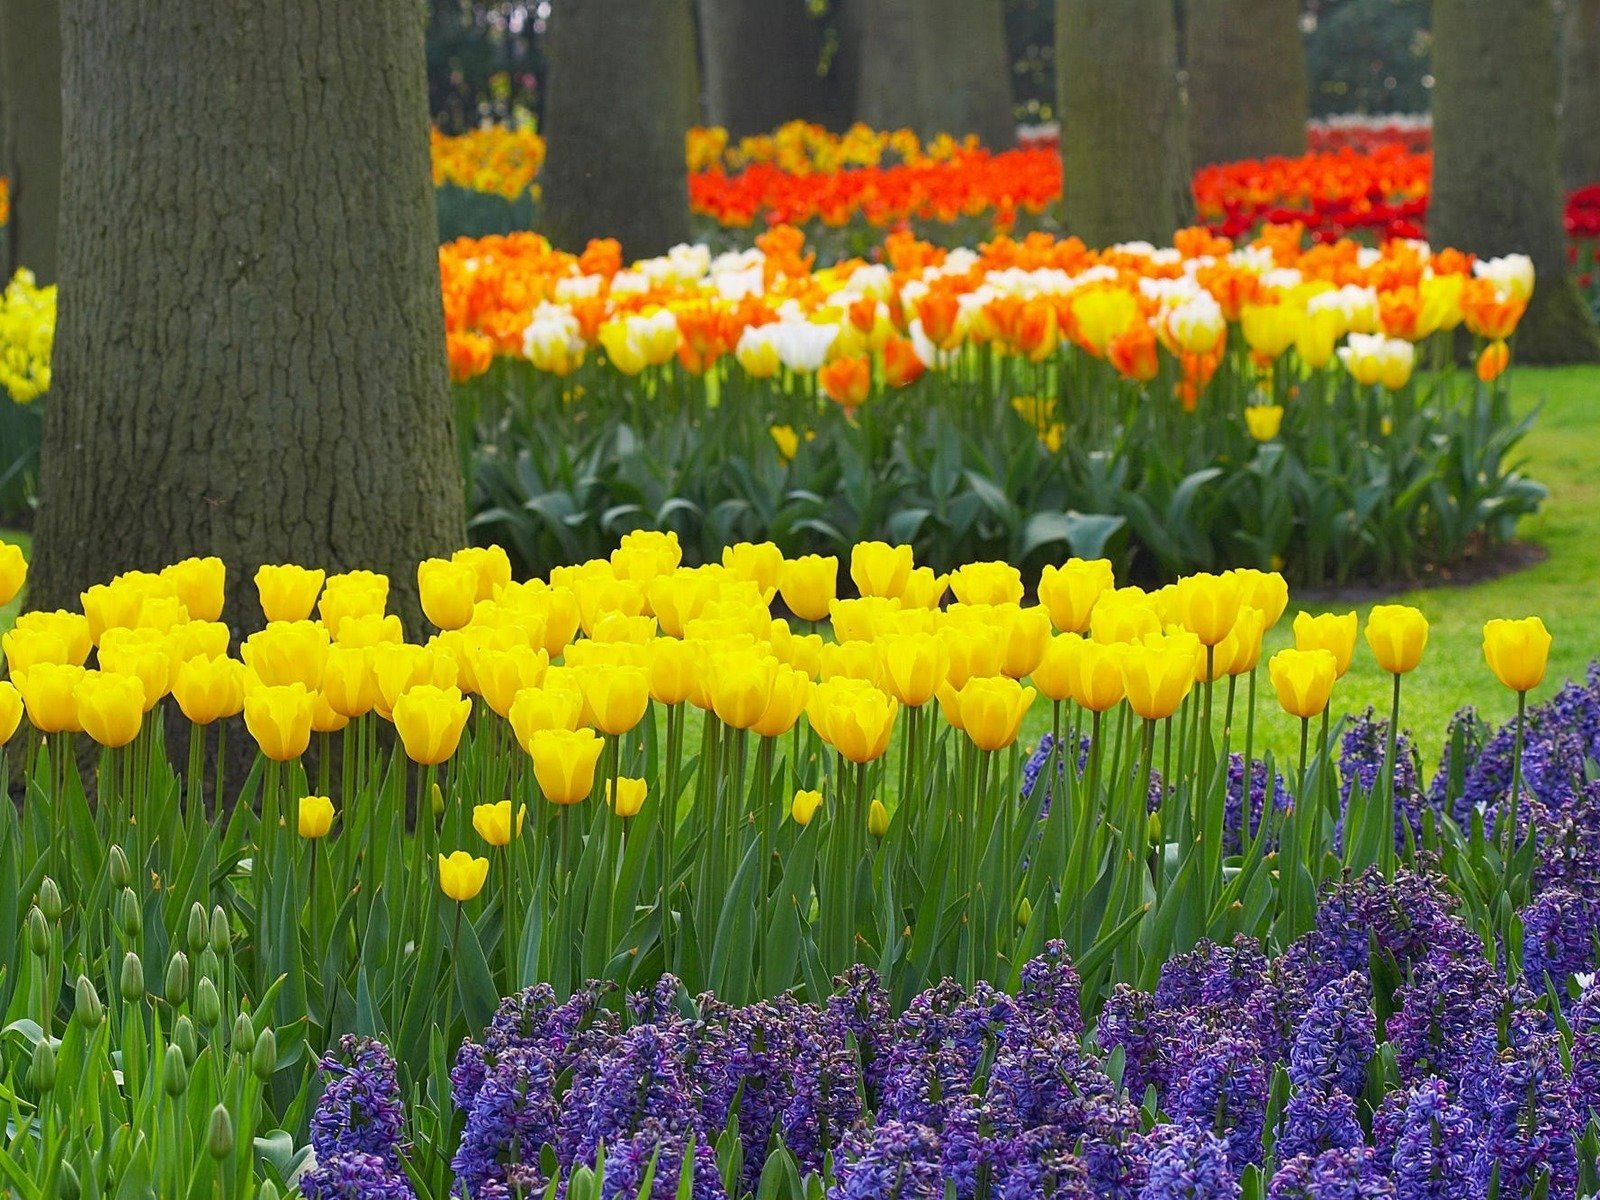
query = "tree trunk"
{"x": 617, "y": 108}
{"x": 888, "y": 94}
{"x": 30, "y": 42}
{"x": 763, "y": 61}
{"x": 1247, "y": 80}
{"x": 1496, "y": 184}
{"x": 1125, "y": 171}
{"x": 1580, "y": 94}
{"x": 965, "y": 71}
{"x": 249, "y": 357}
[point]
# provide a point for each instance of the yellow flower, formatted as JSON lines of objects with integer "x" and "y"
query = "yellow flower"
{"x": 1094, "y": 673}
{"x": 279, "y": 719}
{"x": 315, "y": 817}
{"x": 493, "y": 822}
{"x": 1270, "y": 329}
{"x": 879, "y": 569}
{"x": 198, "y": 639}
{"x": 353, "y": 594}
{"x": 987, "y": 583}
{"x": 617, "y": 696}
{"x": 1264, "y": 590}
{"x": 113, "y": 605}
{"x": 47, "y": 691}
{"x": 629, "y": 796}
{"x": 10, "y": 710}
{"x": 26, "y": 647}
{"x": 1304, "y": 680}
{"x": 13, "y": 571}
{"x": 913, "y": 666}
{"x": 288, "y": 652}
{"x": 1240, "y": 652}
{"x": 1070, "y": 591}
{"x": 1027, "y": 633}
{"x": 991, "y": 710}
{"x": 759, "y": 562}
{"x": 324, "y": 717}
{"x": 209, "y": 689}
{"x": 1124, "y": 615}
{"x": 791, "y": 688}
{"x": 853, "y": 717}
{"x": 1157, "y": 675}
{"x": 1209, "y": 605}
{"x": 923, "y": 589}
{"x": 429, "y": 721}
{"x": 461, "y": 875}
{"x": 492, "y": 565}
{"x": 449, "y": 589}
{"x": 787, "y": 441}
{"x": 741, "y": 688}
{"x": 809, "y": 584}
{"x": 69, "y": 629}
{"x": 369, "y": 629}
{"x": 399, "y": 668}
{"x": 973, "y": 652}
{"x": 1517, "y": 652}
{"x": 804, "y": 806}
{"x": 140, "y": 652}
{"x": 1264, "y": 421}
{"x": 563, "y": 763}
{"x": 1397, "y": 634}
{"x": 1333, "y": 632}
{"x": 201, "y": 584}
{"x": 1053, "y": 675}
{"x": 536, "y": 709}
{"x": 877, "y": 818}
{"x": 348, "y": 681}
{"x": 1315, "y": 339}
{"x": 110, "y": 707}
{"x": 288, "y": 592}
{"x": 1374, "y": 358}
{"x": 501, "y": 674}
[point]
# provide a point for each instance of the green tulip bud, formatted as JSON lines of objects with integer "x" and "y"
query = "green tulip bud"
{"x": 50, "y": 900}
{"x": 176, "y": 989}
{"x": 90, "y": 1011}
{"x": 264, "y": 1058}
{"x": 118, "y": 868}
{"x": 184, "y": 1037}
{"x": 42, "y": 1072}
{"x": 219, "y": 931}
{"x": 210, "y": 966}
{"x": 132, "y": 977}
{"x": 219, "y": 1138}
{"x": 130, "y": 918}
{"x": 207, "y": 1005}
{"x": 267, "y": 1191}
{"x": 244, "y": 1035}
{"x": 68, "y": 1184}
{"x": 1024, "y": 912}
{"x": 175, "y": 1072}
{"x": 1155, "y": 829}
{"x": 38, "y": 932}
{"x": 197, "y": 928}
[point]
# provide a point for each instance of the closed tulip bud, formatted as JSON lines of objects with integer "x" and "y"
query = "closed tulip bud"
{"x": 1397, "y": 635}
{"x": 132, "y": 981}
{"x": 809, "y": 585}
{"x": 461, "y": 875}
{"x": 1157, "y": 676}
{"x": 130, "y": 918}
{"x": 493, "y": 822}
{"x": 10, "y": 710}
{"x": 267, "y": 1191}
{"x": 879, "y": 569}
{"x": 279, "y": 719}
{"x": 264, "y": 1056}
{"x": 38, "y": 932}
{"x": 242, "y": 1039}
{"x": 87, "y": 1006}
{"x": 219, "y": 935}
{"x": 42, "y": 1070}
{"x": 13, "y": 571}
{"x": 877, "y": 818}
{"x": 201, "y": 584}
{"x": 219, "y": 1134}
{"x": 71, "y": 1186}
{"x": 804, "y": 806}
{"x": 1264, "y": 421}
{"x": 1024, "y": 913}
{"x": 174, "y": 1072}
{"x": 1027, "y": 633}
{"x": 288, "y": 592}
{"x": 1517, "y": 652}
{"x": 436, "y": 800}
{"x": 1333, "y": 632}
{"x": 50, "y": 901}
{"x": 429, "y": 721}
{"x": 1209, "y": 605}
{"x": 1069, "y": 592}
{"x": 197, "y": 928}
{"x": 628, "y": 797}
{"x": 176, "y": 986}
{"x": 315, "y": 817}
{"x": 617, "y": 696}
{"x": 118, "y": 869}
{"x": 48, "y": 692}
{"x": 110, "y": 707}
{"x": 564, "y": 762}
{"x": 1304, "y": 680}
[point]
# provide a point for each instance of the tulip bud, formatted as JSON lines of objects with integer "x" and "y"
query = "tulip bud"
{"x": 1024, "y": 913}
{"x": 176, "y": 988}
{"x": 1154, "y": 829}
{"x": 132, "y": 977}
{"x": 267, "y": 1191}
{"x": 244, "y": 1035}
{"x": 175, "y": 1072}
{"x": 197, "y": 928}
{"x": 264, "y": 1058}
{"x": 118, "y": 869}
{"x": 38, "y": 932}
{"x": 50, "y": 902}
{"x": 877, "y": 819}
{"x": 219, "y": 1138}
{"x": 207, "y": 1005}
{"x": 129, "y": 917}
{"x": 89, "y": 1011}
{"x": 67, "y": 1182}
{"x": 219, "y": 931}
{"x": 436, "y": 800}
{"x": 185, "y": 1038}
{"x": 210, "y": 965}
{"x": 42, "y": 1072}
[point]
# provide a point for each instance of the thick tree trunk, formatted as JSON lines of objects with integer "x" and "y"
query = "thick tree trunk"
{"x": 888, "y": 84}
{"x": 250, "y": 357}
{"x": 1496, "y": 184}
{"x": 617, "y": 108}
{"x": 1580, "y": 94}
{"x": 30, "y": 68}
{"x": 1123, "y": 147}
{"x": 1247, "y": 80}
{"x": 965, "y": 70}
{"x": 762, "y": 66}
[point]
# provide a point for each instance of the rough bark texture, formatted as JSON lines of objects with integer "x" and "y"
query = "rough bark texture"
{"x": 30, "y": 68}
{"x": 762, "y": 66}
{"x": 1247, "y": 79}
{"x": 1123, "y": 147}
{"x": 249, "y": 358}
{"x": 1496, "y": 185}
{"x": 1580, "y": 93}
{"x": 888, "y": 87}
{"x": 965, "y": 70}
{"x": 617, "y": 109}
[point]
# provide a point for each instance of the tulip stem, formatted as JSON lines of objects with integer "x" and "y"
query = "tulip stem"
{"x": 1386, "y": 842}
{"x": 1510, "y": 836}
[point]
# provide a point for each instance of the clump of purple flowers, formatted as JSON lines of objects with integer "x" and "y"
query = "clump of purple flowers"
{"x": 1362, "y": 751}
{"x": 357, "y": 1128}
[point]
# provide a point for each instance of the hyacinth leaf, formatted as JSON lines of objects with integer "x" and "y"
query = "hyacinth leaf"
{"x": 780, "y": 1176}
{"x": 786, "y": 929}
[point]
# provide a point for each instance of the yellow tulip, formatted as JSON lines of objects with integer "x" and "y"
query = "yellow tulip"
{"x": 140, "y": 652}
{"x": 973, "y": 653}
{"x": 288, "y": 592}
{"x": 429, "y": 721}
{"x": 759, "y": 562}
{"x": 1397, "y": 634}
{"x": 461, "y": 875}
{"x": 618, "y": 629}
{"x": 853, "y": 717}
{"x": 674, "y": 667}
{"x": 209, "y": 689}
{"x": 288, "y": 652}
{"x": 200, "y": 584}
{"x": 315, "y": 817}
{"x": 348, "y": 681}
{"x": 809, "y": 584}
{"x": 601, "y": 596}
{"x": 741, "y": 688}
{"x": 399, "y": 668}
{"x": 1157, "y": 676}
{"x": 1333, "y": 632}
{"x": 992, "y": 710}
{"x": 369, "y": 629}
{"x": 13, "y": 571}
{"x": 537, "y": 709}
{"x": 26, "y": 647}
{"x": 804, "y": 806}
{"x": 111, "y": 606}
{"x": 1053, "y": 675}
{"x": 1209, "y": 605}
{"x": 1304, "y": 680}
{"x": 448, "y": 589}
{"x": 1270, "y": 329}
{"x": 69, "y": 628}
{"x": 502, "y": 673}
{"x": 791, "y": 689}
{"x": 47, "y": 692}
{"x": 1124, "y": 615}
{"x": 1027, "y": 634}
{"x": 352, "y": 594}
{"x": 987, "y": 583}
{"x": 110, "y": 707}
{"x": 678, "y": 598}
{"x": 913, "y": 666}
{"x": 628, "y": 797}
{"x": 10, "y": 710}
{"x": 1265, "y": 590}
{"x": 877, "y": 818}
{"x": 1517, "y": 652}
{"x": 1240, "y": 652}
{"x": 617, "y": 696}
{"x": 564, "y": 762}
{"x": 1264, "y": 421}
{"x": 491, "y": 564}
{"x": 1070, "y": 591}
{"x": 493, "y": 822}
{"x": 324, "y": 717}
{"x": 879, "y": 569}
{"x": 1316, "y": 337}
{"x": 279, "y": 719}
{"x": 923, "y": 589}
{"x": 198, "y": 639}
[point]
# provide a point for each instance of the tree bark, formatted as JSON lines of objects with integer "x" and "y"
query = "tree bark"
{"x": 763, "y": 66}
{"x": 30, "y": 42}
{"x": 249, "y": 357}
{"x": 618, "y": 106}
{"x": 1496, "y": 183}
{"x": 1580, "y": 94}
{"x": 1247, "y": 80}
{"x": 888, "y": 82}
{"x": 1124, "y": 162}
{"x": 965, "y": 71}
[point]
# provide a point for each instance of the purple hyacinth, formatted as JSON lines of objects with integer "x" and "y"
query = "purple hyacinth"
{"x": 1429, "y": 1142}
{"x": 355, "y": 1176}
{"x": 1558, "y": 938}
{"x": 894, "y": 1161}
{"x": 511, "y": 1117}
{"x": 1337, "y": 1039}
{"x": 1408, "y": 919}
{"x": 1451, "y": 998}
{"x": 1188, "y": 1162}
{"x": 1047, "y": 999}
{"x": 629, "y": 1158}
{"x": 1220, "y": 1082}
{"x": 1317, "y": 1119}
{"x": 825, "y": 1101}
{"x": 611, "y": 1096}
{"x": 360, "y": 1110}
{"x": 1524, "y": 1107}
{"x": 1346, "y": 1174}
{"x": 1362, "y": 752}
{"x": 752, "y": 1062}
{"x": 1132, "y": 1021}
{"x": 859, "y": 1007}
{"x": 1585, "y": 1022}
{"x": 1040, "y": 1165}
{"x": 1233, "y": 813}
